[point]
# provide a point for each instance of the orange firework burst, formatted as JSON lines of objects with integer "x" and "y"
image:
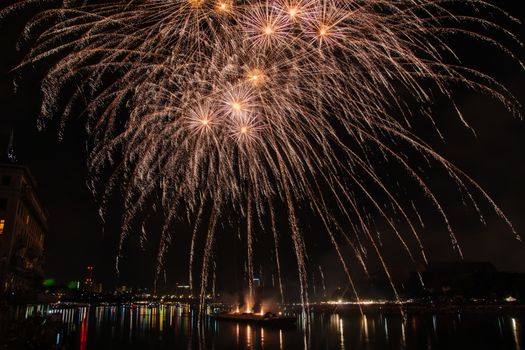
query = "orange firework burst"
{"x": 239, "y": 105}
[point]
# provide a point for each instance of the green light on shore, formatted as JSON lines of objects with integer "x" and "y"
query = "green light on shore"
{"x": 73, "y": 285}
{"x": 50, "y": 282}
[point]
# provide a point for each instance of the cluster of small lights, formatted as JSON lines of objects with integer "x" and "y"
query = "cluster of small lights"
{"x": 363, "y": 302}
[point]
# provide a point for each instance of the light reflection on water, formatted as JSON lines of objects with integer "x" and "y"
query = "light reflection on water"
{"x": 178, "y": 327}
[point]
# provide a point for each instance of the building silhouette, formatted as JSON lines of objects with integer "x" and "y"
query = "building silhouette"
{"x": 88, "y": 279}
{"x": 23, "y": 226}
{"x": 465, "y": 280}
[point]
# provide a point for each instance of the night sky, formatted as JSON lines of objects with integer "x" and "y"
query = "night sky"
{"x": 495, "y": 158}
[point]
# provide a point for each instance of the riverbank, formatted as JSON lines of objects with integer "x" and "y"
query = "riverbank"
{"x": 390, "y": 308}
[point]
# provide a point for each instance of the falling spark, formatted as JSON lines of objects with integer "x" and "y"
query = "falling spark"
{"x": 322, "y": 280}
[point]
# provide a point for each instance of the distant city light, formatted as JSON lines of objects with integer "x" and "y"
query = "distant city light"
{"x": 73, "y": 285}
{"x": 50, "y": 282}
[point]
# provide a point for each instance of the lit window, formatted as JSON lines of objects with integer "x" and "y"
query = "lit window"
{"x": 2, "y": 225}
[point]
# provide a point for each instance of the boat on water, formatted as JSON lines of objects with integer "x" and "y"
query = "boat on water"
{"x": 268, "y": 319}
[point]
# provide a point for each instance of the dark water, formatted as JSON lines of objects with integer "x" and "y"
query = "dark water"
{"x": 177, "y": 327}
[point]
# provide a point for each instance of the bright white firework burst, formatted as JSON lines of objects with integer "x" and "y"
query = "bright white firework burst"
{"x": 235, "y": 106}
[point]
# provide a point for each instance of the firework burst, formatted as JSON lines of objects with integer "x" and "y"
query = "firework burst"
{"x": 235, "y": 106}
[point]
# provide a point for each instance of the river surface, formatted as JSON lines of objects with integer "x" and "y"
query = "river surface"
{"x": 178, "y": 327}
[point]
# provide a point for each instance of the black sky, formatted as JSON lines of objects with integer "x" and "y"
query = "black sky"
{"x": 495, "y": 158}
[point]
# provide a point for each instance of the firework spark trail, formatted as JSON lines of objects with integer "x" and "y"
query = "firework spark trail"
{"x": 245, "y": 105}
{"x": 249, "y": 253}
{"x": 322, "y": 280}
{"x": 277, "y": 258}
